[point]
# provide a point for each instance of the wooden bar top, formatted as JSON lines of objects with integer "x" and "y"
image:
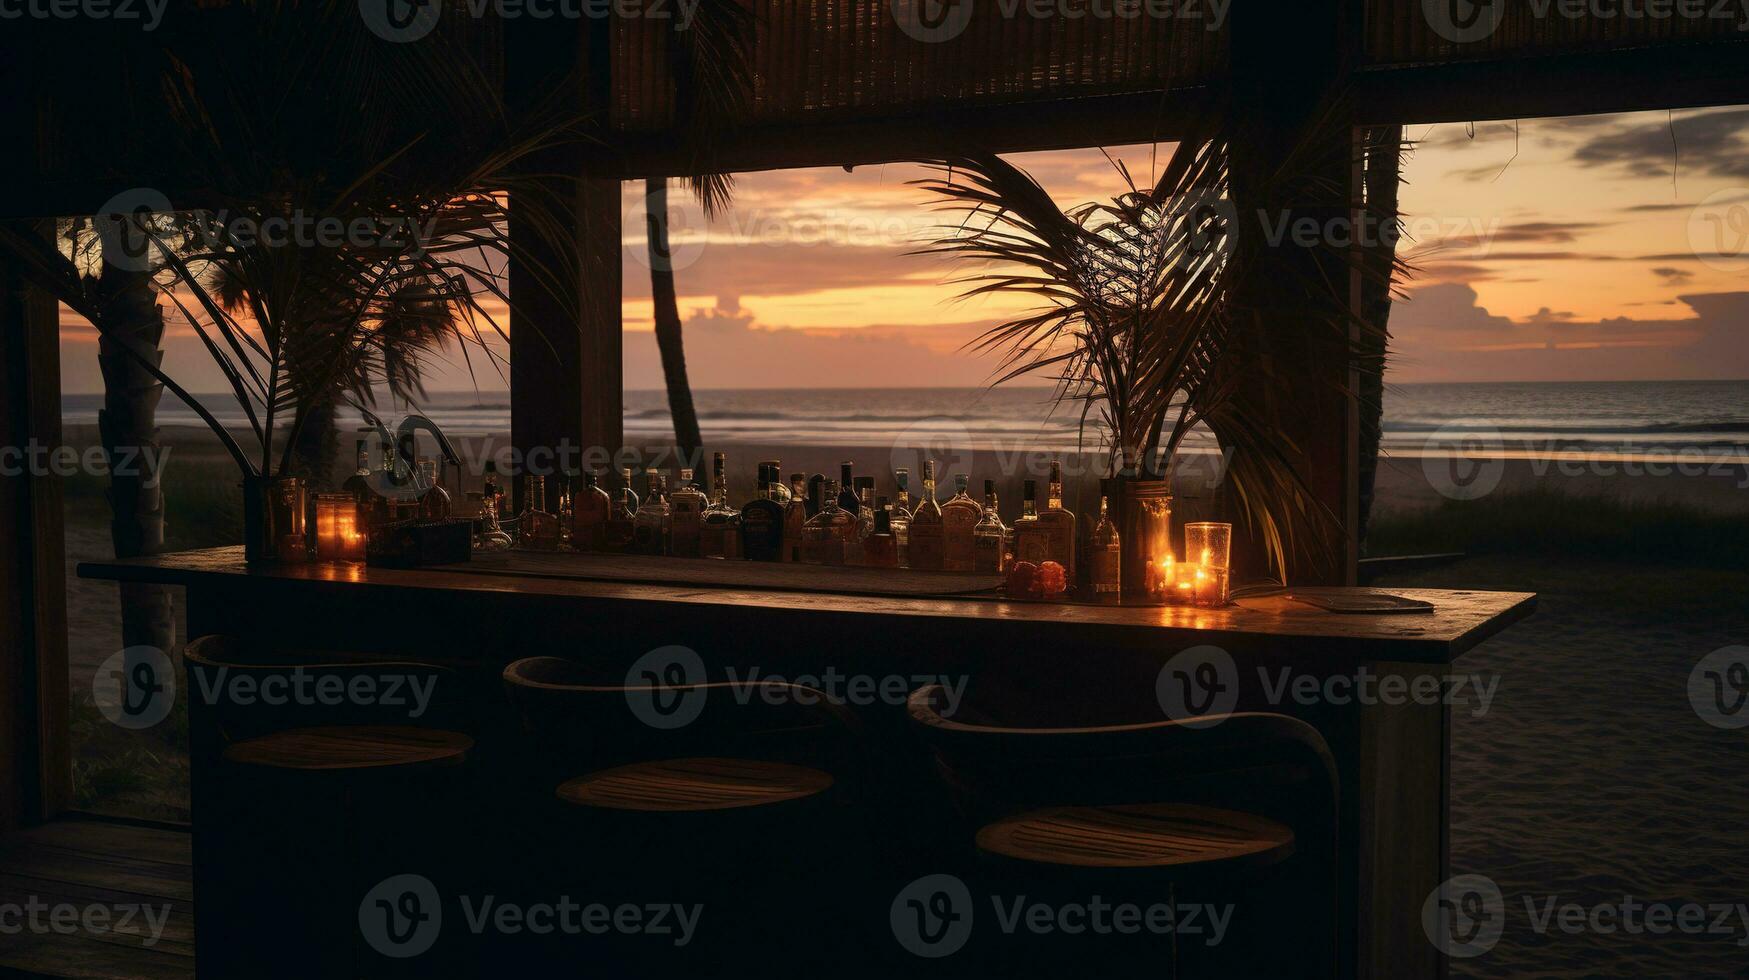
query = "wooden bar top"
{"x": 1458, "y": 621}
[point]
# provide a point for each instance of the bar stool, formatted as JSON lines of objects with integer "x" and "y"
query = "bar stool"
{"x": 303, "y": 745}
{"x": 1134, "y": 807}
{"x": 728, "y": 805}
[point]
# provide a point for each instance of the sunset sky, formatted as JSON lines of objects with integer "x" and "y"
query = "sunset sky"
{"x": 1585, "y": 248}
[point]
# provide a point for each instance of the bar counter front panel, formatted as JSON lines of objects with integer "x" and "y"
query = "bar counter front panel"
{"x": 1392, "y": 760}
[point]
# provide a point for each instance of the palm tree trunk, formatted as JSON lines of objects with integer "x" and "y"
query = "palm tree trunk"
{"x": 667, "y": 315}
{"x": 1384, "y": 155}
{"x": 128, "y": 428}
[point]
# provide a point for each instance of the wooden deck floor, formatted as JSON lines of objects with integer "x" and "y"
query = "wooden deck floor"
{"x": 112, "y": 874}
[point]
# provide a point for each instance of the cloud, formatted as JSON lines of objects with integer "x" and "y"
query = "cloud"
{"x": 1714, "y": 144}
{"x": 1672, "y": 276}
{"x": 1441, "y": 333}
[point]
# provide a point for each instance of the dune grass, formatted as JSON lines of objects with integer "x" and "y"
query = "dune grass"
{"x": 1549, "y": 523}
{"x": 203, "y": 502}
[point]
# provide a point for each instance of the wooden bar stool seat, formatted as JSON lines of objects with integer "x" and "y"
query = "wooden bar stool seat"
{"x": 1162, "y": 837}
{"x": 1076, "y": 800}
{"x": 361, "y": 762}
{"x": 742, "y": 803}
{"x": 335, "y": 748}
{"x": 695, "y": 784}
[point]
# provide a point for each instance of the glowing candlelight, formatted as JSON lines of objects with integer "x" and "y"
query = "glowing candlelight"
{"x": 1211, "y": 541}
{"x": 338, "y": 536}
{"x": 1162, "y": 578}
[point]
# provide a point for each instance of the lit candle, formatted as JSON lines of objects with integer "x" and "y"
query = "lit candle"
{"x": 1212, "y": 543}
{"x": 338, "y": 537}
{"x": 1162, "y": 578}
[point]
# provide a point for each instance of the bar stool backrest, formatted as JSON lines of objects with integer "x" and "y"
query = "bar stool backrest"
{"x": 575, "y": 720}
{"x": 255, "y": 690}
{"x": 1000, "y": 757}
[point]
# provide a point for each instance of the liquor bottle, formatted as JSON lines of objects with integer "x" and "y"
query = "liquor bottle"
{"x": 902, "y": 505}
{"x": 865, "y": 495}
{"x": 827, "y": 535}
{"x": 816, "y": 486}
{"x": 901, "y": 518}
{"x": 762, "y": 537}
{"x": 1029, "y": 541}
{"x": 590, "y": 509}
{"x": 537, "y": 529}
{"x": 564, "y": 508}
{"x": 685, "y": 517}
{"x": 795, "y": 517}
{"x": 927, "y": 544}
{"x": 958, "y": 517}
{"x": 358, "y": 484}
{"x": 847, "y": 498}
{"x": 880, "y": 549}
{"x": 434, "y": 501}
{"x": 990, "y": 537}
{"x": 719, "y": 533}
{"x": 865, "y": 516}
{"x": 1058, "y": 525}
{"x": 782, "y": 489}
{"x": 491, "y": 494}
{"x": 1103, "y": 555}
{"x": 622, "y": 518}
{"x": 650, "y": 526}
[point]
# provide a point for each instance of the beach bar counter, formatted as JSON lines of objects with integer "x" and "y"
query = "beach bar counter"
{"x": 1374, "y": 686}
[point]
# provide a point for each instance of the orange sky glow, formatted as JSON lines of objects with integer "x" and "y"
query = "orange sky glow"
{"x": 1581, "y": 248}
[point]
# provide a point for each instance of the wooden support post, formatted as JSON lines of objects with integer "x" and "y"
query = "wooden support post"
{"x": 1286, "y": 62}
{"x": 566, "y": 361}
{"x": 566, "y": 353}
{"x": 35, "y": 763}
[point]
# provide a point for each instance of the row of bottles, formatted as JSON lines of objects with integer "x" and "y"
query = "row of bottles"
{"x": 386, "y": 499}
{"x": 814, "y": 520}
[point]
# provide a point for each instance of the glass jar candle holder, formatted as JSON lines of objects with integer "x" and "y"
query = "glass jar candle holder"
{"x": 340, "y": 535}
{"x": 291, "y": 539}
{"x": 1208, "y": 548}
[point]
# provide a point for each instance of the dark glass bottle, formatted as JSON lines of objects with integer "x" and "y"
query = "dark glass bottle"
{"x": 816, "y": 487}
{"x": 847, "y": 498}
{"x": 762, "y": 537}
{"x": 491, "y": 494}
{"x": 795, "y": 517}
{"x": 590, "y": 509}
{"x": 880, "y": 549}
{"x": 358, "y": 484}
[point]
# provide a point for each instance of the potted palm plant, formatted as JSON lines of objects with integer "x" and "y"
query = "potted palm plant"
{"x": 1134, "y": 324}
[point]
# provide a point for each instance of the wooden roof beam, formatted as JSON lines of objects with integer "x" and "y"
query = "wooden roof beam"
{"x": 1681, "y": 76}
{"x": 1104, "y": 120}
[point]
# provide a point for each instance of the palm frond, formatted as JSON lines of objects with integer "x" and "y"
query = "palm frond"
{"x": 1136, "y": 315}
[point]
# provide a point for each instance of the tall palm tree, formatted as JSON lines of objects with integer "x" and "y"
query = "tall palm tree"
{"x": 666, "y": 311}
{"x": 121, "y": 299}
{"x": 127, "y": 425}
{"x": 713, "y": 83}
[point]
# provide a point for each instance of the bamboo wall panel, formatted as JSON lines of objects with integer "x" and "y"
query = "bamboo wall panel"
{"x": 852, "y": 58}
{"x": 1404, "y": 32}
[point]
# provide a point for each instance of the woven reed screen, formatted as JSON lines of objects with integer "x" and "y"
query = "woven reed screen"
{"x": 1420, "y": 31}
{"x": 852, "y": 56}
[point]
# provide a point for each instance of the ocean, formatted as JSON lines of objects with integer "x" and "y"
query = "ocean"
{"x": 1654, "y": 420}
